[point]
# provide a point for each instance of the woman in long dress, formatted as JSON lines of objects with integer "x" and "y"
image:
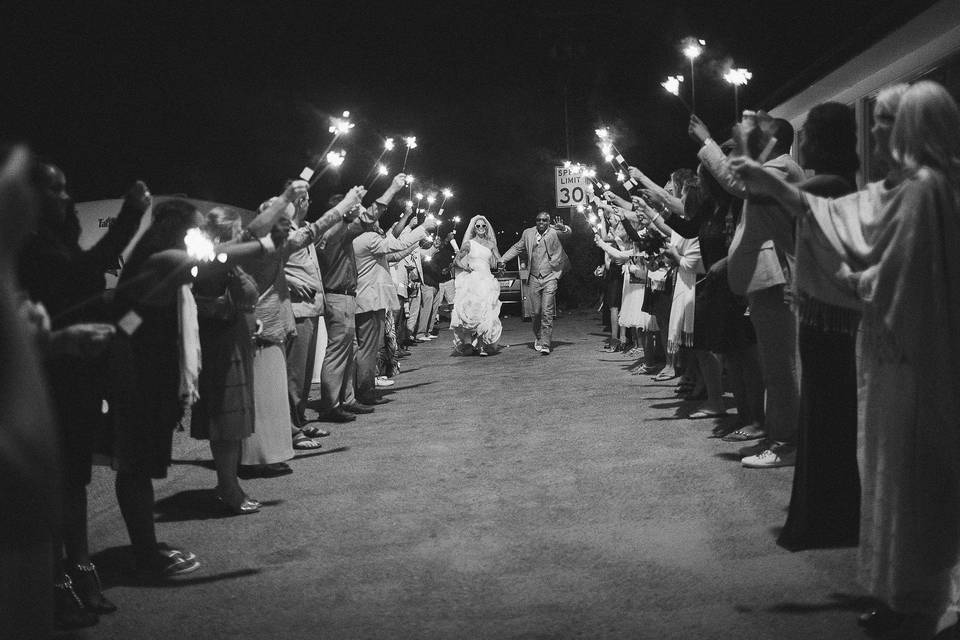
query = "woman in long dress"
{"x": 897, "y": 242}
{"x": 475, "y": 318}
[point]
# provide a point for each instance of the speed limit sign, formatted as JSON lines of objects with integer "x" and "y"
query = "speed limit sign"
{"x": 572, "y": 189}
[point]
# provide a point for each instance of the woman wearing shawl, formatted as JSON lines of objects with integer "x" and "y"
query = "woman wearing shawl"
{"x": 157, "y": 361}
{"x": 895, "y": 243}
{"x": 475, "y": 318}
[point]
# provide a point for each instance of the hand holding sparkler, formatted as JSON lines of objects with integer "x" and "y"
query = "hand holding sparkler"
{"x": 698, "y": 130}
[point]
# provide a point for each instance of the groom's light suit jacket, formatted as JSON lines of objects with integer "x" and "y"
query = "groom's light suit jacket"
{"x": 559, "y": 262}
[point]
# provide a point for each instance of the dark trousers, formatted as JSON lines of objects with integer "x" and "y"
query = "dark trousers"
{"x": 301, "y": 352}
{"x": 369, "y": 343}
{"x": 340, "y": 361}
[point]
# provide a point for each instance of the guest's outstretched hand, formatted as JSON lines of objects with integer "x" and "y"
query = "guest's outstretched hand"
{"x": 697, "y": 129}
{"x": 138, "y": 196}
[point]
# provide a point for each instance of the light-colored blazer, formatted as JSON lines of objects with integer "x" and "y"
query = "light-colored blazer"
{"x": 762, "y": 252}
{"x": 559, "y": 262}
{"x": 375, "y": 287}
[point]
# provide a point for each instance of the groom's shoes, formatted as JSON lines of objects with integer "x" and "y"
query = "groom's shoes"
{"x": 544, "y": 351}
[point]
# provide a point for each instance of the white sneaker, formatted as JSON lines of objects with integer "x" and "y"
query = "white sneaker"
{"x": 384, "y": 381}
{"x": 544, "y": 351}
{"x": 774, "y": 456}
{"x": 751, "y": 450}
{"x": 537, "y": 346}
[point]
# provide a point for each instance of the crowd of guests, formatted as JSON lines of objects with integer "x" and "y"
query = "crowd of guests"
{"x": 227, "y": 332}
{"x": 831, "y": 313}
{"x": 834, "y": 313}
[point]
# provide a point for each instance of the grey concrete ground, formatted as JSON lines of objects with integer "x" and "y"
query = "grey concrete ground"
{"x": 513, "y": 496}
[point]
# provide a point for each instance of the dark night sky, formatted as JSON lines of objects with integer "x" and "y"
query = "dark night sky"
{"x": 225, "y": 100}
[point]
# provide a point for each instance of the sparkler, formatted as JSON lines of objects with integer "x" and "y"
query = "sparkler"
{"x": 672, "y": 86}
{"x": 411, "y": 143}
{"x": 447, "y": 193}
{"x": 388, "y": 145}
{"x": 612, "y": 155}
{"x": 199, "y": 247}
{"x": 692, "y": 50}
{"x": 338, "y": 127}
{"x": 738, "y": 78}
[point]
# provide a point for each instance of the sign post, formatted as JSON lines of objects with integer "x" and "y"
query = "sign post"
{"x": 573, "y": 189}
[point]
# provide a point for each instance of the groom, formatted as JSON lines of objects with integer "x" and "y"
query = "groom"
{"x": 547, "y": 261}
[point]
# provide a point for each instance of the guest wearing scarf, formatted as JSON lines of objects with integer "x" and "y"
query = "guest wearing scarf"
{"x": 894, "y": 246}
{"x": 151, "y": 374}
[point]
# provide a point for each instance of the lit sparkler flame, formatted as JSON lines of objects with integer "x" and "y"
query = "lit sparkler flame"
{"x": 382, "y": 170}
{"x": 336, "y": 158}
{"x": 199, "y": 247}
{"x": 447, "y": 193}
{"x": 672, "y": 84}
{"x": 340, "y": 126}
{"x": 388, "y": 144}
{"x": 693, "y": 48}
{"x": 737, "y": 77}
{"x": 411, "y": 142}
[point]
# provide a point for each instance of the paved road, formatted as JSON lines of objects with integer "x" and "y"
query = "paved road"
{"x": 513, "y": 496}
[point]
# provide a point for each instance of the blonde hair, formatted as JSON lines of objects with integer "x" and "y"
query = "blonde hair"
{"x": 927, "y": 129}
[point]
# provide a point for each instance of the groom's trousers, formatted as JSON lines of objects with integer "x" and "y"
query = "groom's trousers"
{"x": 543, "y": 306}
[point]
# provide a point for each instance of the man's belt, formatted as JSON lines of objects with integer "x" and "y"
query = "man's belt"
{"x": 341, "y": 292}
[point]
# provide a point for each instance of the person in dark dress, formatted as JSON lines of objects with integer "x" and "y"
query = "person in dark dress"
{"x": 825, "y": 501}
{"x": 146, "y": 369}
{"x": 69, "y": 282}
{"x": 224, "y": 412}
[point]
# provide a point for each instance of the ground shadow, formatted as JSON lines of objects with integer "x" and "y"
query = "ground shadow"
{"x": 115, "y": 568}
{"x": 206, "y": 464}
{"x": 320, "y": 452}
{"x": 732, "y": 456}
{"x": 195, "y": 504}
{"x": 839, "y": 602}
{"x": 396, "y": 388}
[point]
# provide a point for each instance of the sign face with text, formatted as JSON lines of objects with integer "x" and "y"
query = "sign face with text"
{"x": 572, "y": 189}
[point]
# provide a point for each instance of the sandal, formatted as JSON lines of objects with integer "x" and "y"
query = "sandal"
{"x": 743, "y": 436}
{"x": 169, "y": 563}
{"x": 303, "y": 442}
{"x": 87, "y": 585}
{"x": 68, "y": 609}
{"x": 664, "y": 376}
{"x": 706, "y": 413}
{"x": 313, "y": 431}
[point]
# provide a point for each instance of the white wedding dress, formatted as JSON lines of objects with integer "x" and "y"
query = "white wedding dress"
{"x": 475, "y": 319}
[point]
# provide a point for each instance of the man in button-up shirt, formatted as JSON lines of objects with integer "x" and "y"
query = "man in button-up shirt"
{"x": 338, "y": 268}
{"x": 759, "y": 266}
{"x": 548, "y": 261}
{"x": 376, "y": 294}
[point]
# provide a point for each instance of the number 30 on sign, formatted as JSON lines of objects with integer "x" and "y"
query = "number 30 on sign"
{"x": 572, "y": 190}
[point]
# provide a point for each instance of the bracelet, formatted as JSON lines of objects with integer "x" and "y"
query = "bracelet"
{"x": 654, "y": 220}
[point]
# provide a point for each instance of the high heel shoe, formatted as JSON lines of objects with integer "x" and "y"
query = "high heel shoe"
{"x": 68, "y": 609}
{"x": 245, "y": 506}
{"x": 87, "y": 585}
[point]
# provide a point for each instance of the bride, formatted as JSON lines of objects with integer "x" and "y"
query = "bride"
{"x": 475, "y": 319}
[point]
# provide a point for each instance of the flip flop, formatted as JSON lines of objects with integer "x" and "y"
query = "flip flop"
{"x": 664, "y": 376}
{"x": 303, "y": 442}
{"x": 743, "y": 436}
